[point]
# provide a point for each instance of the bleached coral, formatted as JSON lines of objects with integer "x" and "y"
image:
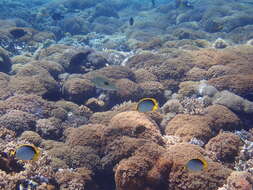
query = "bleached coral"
{"x": 220, "y": 43}
{"x": 196, "y": 141}
{"x": 193, "y": 106}
{"x": 233, "y": 102}
{"x": 224, "y": 187}
{"x": 125, "y": 106}
{"x": 171, "y": 140}
{"x": 206, "y": 90}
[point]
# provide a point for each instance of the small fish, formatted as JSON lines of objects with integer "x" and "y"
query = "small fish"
{"x": 184, "y": 4}
{"x": 57, "y": 16}
{"x": 196, "y": 165}
{"x": 153, "y": 3}
{"x": 103, "y": 83}
{"x": 147, "y": 104}
{"x": 26, "y": 152}
{"x": 131, "y": 21}
{"x": 18, "y": 32}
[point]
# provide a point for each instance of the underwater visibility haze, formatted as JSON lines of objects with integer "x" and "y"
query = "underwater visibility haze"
{"x": 126, "y": 94}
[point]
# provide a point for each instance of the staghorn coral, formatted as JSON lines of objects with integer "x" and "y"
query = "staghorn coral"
{"x": 53, "y": 68}
{"x": 50, "y": 128}
{"x": 225, "y": 146}
{"x": 6, "y": 134}
{"x": 21, "y": 59}
{"x": 220, "y": 70}
{"x": 5, "y": 91}
{"x": 31, "y": 137}
{"x": 31, "y": 103}
{"x": 189, "y": 126}
{"x": 78, "y": 90}
{"x": 154, "y": 43}
{"x": 196, "y": 74}
{"x": 74, "y": 156}
{"x": 142, "y": 75}
{"x": 136, "y": 172}
{"x": 142, "y": 59}
{"x": 222, "y": 118}
{"x": 78, "y": 179}
{"x": 113, "y": 72}
{"x": 102, "y": 117}
{"x": 240, "y": 181}
{"x": 133, "y": 124}
{"x": 18, "y": 121}
{"x": 86, "y": 135}
{"x": 34, "y": 80}
{"x": 152, "y": 89}
{"x": 118, "y": 149}
{"x": 188, "y": 88}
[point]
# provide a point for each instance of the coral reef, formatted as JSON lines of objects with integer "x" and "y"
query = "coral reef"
{"x": 189, "y": 126}
{"x": 31, "y": 137}
{"x": 78, "y": 90}
{"x": 222, "y": 118}
{"x": 225, "y": 145}
{"x": 240, "y": 181}
{"x": 49, "y": 128}
{"x": 137, "y": 125}
{"x": 18, "y": 121}
{"x": 78, "y": 179}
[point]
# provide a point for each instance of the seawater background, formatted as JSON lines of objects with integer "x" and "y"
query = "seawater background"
{"x": 228, "y": 19}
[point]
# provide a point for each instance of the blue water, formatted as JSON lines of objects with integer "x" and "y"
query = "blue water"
{"x": 212, "y": 19}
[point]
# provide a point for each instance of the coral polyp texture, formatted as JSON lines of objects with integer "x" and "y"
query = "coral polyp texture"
{"x": 126, "y": 95}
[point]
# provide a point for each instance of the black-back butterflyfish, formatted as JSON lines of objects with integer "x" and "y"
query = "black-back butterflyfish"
{"x": 147, "y": 104}
{"x": 196, "y": 165}
{"x": 26, "y": 152}
{"x": 103, "y": 83}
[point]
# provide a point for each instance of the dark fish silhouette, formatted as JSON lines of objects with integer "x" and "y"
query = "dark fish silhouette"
{"x": 57, "y": 16}
{"x": 18, "y": 32}
{"x": 131, "y": 21}
{"x": 153, "y": 3}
